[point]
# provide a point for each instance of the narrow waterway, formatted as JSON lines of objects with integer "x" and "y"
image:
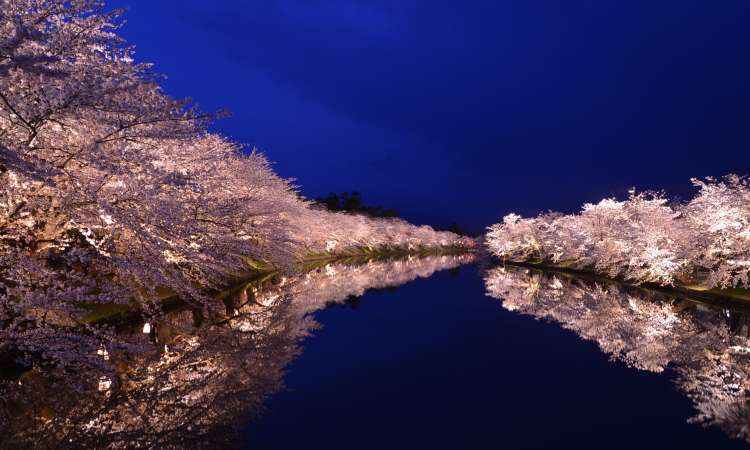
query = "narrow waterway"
{"x": 439, "y": 364}
{"x": 411, "y": 353}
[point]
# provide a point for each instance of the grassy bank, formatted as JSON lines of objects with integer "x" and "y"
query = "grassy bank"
{"x": 682, "y": 290}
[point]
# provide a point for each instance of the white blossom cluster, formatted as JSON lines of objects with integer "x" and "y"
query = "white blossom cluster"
{"x": 644, "y": 238}
{"x": 112, "y": 192}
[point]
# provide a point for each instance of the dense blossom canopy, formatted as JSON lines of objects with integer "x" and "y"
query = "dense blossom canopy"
{"x": 113, "y": 192}
{"x": 644, "y": 238}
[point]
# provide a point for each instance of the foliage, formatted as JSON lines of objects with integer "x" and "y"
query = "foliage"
{"x": 644, "y": 238}
{"x": 353, "y": 204}
{"x": 112, "y": 190}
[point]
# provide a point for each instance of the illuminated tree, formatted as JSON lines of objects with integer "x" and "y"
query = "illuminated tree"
{"x": 114, "y": 193}
{"x": 643, "y": 239}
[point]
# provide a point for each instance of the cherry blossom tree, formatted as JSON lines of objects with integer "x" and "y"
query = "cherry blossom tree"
{"x": 117, "y": 194}
{"x": 719, "y": 219}
{"x": 643, "y": 238}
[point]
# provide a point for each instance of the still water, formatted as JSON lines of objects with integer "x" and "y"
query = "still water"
{"x": 439, "y": 364}
{"x": 432, "y": 353}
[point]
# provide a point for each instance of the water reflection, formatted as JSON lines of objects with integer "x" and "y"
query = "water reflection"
{"x": 707, "y": 347}
{"x": 205, "y": 372}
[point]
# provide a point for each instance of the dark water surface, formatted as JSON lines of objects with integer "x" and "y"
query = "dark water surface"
{"x": 437, "y": 364}
{"x": 412, "y": 353}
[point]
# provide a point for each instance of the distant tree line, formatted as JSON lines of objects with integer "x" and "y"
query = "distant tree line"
{"x": 352, "y": 203}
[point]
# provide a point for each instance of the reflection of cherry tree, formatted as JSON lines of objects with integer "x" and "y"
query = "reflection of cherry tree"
{"x": 332, "y": 284}
{"x": 204, "y": 374}
{"x": 182, "y": 396}
{"x": 337, "y": 283}
{"x": 708, "y": 348}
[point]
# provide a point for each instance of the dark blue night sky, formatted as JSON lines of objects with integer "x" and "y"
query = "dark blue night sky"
{"x": 465, "y": 111}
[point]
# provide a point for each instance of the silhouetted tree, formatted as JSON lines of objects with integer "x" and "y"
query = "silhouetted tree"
{"x": 332, "y": 202}
{"x": 455, "y": 228}
{"x": 352, "y": 203}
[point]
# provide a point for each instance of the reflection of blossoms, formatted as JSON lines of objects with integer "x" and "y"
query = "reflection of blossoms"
{"x": 204, "y": 373}
{"x": 336, "y": 284}
{"x": 649, "y": 331}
